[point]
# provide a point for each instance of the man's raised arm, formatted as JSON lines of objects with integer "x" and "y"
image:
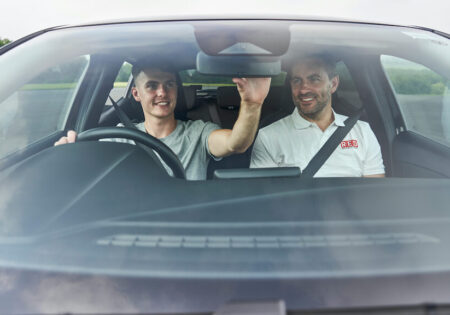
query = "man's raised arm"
{"x": 224, "y": 142}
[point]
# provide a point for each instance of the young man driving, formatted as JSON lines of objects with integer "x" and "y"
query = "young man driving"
{"x": 194, "y": 142}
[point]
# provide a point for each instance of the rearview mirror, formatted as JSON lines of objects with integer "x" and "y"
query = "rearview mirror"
{"x": 238, "y": 66}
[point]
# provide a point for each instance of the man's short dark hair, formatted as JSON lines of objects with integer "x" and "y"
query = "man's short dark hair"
{"x": 144, "y": 64}
{"x": 328, "y": 61}
{"x": 330, "y": 64}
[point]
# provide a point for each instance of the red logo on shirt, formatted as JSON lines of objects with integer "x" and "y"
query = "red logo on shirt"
{"x": 349, "y": 144}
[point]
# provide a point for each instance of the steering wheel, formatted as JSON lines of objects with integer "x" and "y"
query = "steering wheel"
{"x": 140, "y": 137}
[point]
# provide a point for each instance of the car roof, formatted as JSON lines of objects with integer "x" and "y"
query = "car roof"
{"x": 210, "y": 17}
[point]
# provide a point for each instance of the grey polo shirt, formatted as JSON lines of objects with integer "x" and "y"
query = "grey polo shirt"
{"x": 189, "y": 141}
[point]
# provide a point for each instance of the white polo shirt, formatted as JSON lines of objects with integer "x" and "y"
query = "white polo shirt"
{"x": 293, "y": 141}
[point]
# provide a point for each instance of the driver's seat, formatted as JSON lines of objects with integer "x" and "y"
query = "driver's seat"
{"x": 133, "y": 109}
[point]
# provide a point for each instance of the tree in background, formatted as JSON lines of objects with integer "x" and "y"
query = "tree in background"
{"x": 4, "y": 41}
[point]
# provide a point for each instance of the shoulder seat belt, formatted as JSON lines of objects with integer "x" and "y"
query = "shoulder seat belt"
{"x": 214, "y": 114}
{"x": 328, "y": 148}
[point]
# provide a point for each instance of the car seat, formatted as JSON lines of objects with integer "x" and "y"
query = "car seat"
{"x": 133, "y": 109}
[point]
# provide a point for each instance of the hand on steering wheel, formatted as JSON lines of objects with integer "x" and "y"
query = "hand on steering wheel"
{"x": 145, "y": 139}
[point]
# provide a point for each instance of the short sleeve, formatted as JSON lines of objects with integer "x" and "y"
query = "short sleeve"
{"x": 260, "y": 154}
{"x": 373, "y": 162}
{"x": 208, "y": 128}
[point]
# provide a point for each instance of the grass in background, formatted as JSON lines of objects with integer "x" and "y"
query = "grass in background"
{"x": 61, "y": 86}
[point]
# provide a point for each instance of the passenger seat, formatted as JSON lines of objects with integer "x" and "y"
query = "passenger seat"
{"x": 228, "y": 103}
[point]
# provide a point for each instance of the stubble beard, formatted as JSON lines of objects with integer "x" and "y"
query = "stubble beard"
{"x": 315, "y": 113}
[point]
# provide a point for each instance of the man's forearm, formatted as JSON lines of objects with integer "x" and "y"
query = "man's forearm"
{"x": 224, "y": 142}
{"x": 244, "y": 129}
{"x": 253, "y": 91}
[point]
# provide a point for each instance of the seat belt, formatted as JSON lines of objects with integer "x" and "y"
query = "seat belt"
{"x": 214, "y": 114}
{"x": 329, "y": 146}
{"x": 122, "y": 116}
{"x": 127, "y": 123}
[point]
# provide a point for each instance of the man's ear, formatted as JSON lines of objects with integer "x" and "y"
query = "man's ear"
{"x": 334, "y": 83}
{"x": 135, "y": 94}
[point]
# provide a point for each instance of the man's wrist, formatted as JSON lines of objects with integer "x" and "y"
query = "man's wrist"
{"x": 251, "y": 106}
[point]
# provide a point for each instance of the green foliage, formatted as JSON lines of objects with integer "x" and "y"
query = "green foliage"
{"x": 69, "y": 72}
{"x": 4, "y": 41}
{"x": 194, "y": 77}
{"x": 416, "y": 81}
{"x": 48, "y": 86}
{"x": 124, "y": 73}
{"x": 438, "y": 88}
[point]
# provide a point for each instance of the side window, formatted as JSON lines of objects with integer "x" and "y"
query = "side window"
{"x": 120, "y": 83}
{"x": 423, "y": 97}
{"x": 41, "y": 106}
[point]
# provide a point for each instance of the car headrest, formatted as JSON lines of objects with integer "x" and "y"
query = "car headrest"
{"x": 285, "y": 106}
{"x": 228, "y": 97}
{"x": 190, "y": 94}
{"x": 185, "y": 98}
{"x": 181, "y": 108}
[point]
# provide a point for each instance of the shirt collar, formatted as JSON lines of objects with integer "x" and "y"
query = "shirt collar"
{"x": 299, "y": 121}
{"x": 339, "y": 119}
{"x": 302, "y": 123}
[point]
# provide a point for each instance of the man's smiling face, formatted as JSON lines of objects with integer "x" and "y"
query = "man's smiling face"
{"x": 312, "y": 87}
{"x": 156, "y": 90}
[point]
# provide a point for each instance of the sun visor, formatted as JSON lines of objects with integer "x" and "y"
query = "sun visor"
{"x": 241, "y": 48}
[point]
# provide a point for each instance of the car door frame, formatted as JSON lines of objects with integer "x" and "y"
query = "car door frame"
{"x": 84, "y": 111}
{"x": 406, "y": 153}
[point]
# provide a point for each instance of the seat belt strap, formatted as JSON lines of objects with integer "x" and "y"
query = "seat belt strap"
{"x": 214, "y": 114}
{"x": 328, "y": 148}
{"x": 122, "y": 116}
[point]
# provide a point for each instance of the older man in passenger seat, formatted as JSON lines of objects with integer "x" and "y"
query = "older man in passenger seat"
{"x": 194, "y": 142}
{"x": 295, "y": 139}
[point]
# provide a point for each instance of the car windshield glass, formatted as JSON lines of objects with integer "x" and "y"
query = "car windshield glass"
{"x": 187, "y": 203}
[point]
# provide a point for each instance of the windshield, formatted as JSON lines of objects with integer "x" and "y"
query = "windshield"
{"x": 255, "y": 150}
